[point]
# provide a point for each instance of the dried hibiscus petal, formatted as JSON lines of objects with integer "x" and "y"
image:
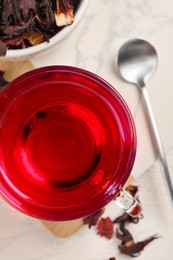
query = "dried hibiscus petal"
{"x": 124, "y": 235}
{"x": 15, "y": 30}
{"x": 45, "y": 16}
{"x": 17, "y": 41}
{"x": 10, "y": 12}
{"x": 123, "y": 218}
{"x": 127, "y": 218}
{"x": 3, "y": 48}
{"x": 28, "y": 9}
{"x": 18, "y": 13}
{"x": 93, "y": 219}
{"x": 105, "y": 227}
{"x": 134, "y": 249}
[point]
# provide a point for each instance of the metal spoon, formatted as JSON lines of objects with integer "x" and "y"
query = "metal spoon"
{"x": 137, "y": 61}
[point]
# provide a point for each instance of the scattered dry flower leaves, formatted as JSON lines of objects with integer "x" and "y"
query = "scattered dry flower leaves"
{"x": 20, "y": 19}
{"x": 105, "y": 228}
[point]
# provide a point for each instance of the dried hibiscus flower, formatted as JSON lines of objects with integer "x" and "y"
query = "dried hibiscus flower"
{"x": 105, "y": 227}
{"x": 133, "y": 249}
{"x": 93, "y": 219}
{"x": 20, "y": 20}
{"x": 127, "y": 218}
{"x": 123, "y": 234}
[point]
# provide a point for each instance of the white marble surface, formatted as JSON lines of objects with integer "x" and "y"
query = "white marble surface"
{"x": 93, "y": 45}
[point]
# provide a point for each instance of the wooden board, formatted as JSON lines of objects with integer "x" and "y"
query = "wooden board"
{"x": 67, "y": 228}
{"x": 60, "y": 229}
{"x": 13, "y": 69}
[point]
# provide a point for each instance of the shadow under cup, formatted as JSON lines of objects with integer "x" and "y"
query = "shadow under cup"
{"x": 67, "y": 143}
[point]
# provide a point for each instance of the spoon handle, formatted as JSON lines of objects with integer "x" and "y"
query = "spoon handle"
{"x": 157, "y": 141}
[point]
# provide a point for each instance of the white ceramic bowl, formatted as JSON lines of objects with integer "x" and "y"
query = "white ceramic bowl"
{"x": 31, "y": 51}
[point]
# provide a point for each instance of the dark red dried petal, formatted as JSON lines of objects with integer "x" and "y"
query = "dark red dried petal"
{"x": 10, "y": 12}
{"x": 126, "y": 218}
{"x": 124, "y": 235}
{"x": 134, "y": 249}
{"x": 105, "y": 227}
{"x": 28, "y": 6}
{"x": 123, "y": 218}
{"x": 15, "y": 30}
{"x": 3, "y": 48}
{"x": 93, "y": 219}
{"x": 112, "y": 258}
{"x": 45, "y": 15}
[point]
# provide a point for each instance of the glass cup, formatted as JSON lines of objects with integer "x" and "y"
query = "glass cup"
{"x": 67, "y": 144}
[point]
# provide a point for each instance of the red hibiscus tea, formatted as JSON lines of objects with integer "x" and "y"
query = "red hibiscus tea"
{"x": 67, "y": 143}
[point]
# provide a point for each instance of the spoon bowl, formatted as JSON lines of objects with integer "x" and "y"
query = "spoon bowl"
{"x": 137, "y": 61}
